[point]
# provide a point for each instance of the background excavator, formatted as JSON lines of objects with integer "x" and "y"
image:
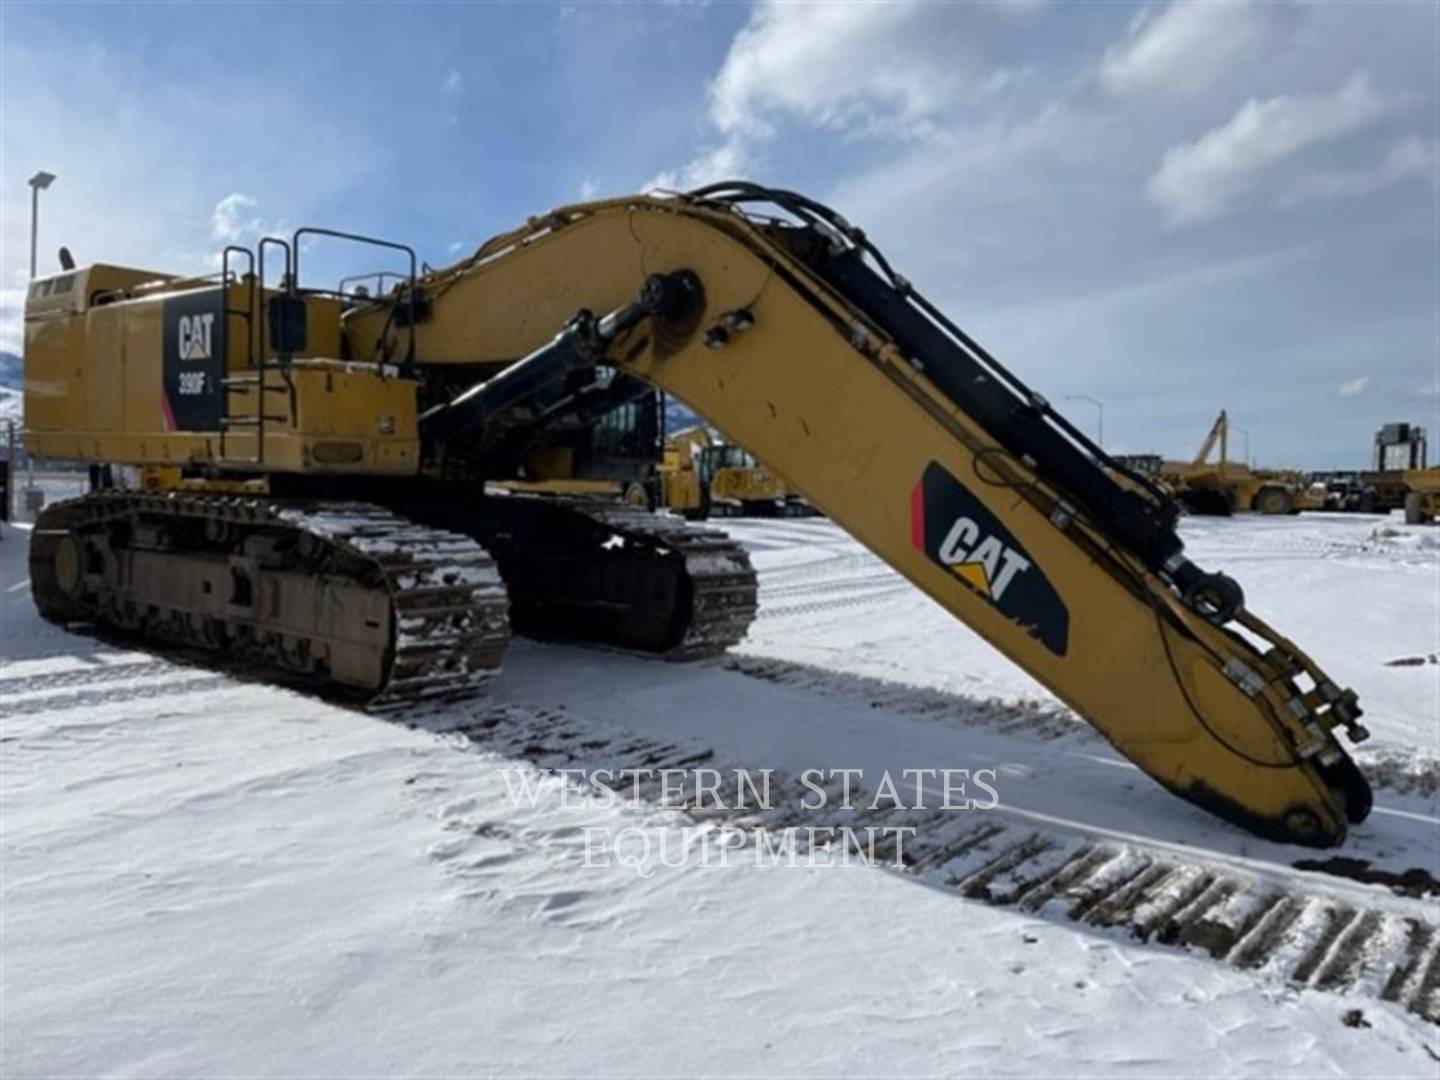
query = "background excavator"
{"x": 1223, "y": 486}
{"x": 349, "y": 490}
{"x": 700, "y": 475}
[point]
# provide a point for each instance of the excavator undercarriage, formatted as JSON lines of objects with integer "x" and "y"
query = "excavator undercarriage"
{"x": 388, "y": 605}
{"x": 612, "y": 574}
{"x": 368, "y": 491}
{"x": 344, "y": 597}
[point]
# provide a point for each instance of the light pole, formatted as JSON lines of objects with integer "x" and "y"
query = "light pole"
{"x": 38, "y": 183}
{"x": 1099, "y": 408}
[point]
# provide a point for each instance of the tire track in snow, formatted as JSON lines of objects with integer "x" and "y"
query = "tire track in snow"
{"x": 857, "y": 599}
{"x": 80, "y": 699}
{"x": 790, "y": 591}
{"x": 1385, "y": 769}
{"x": 88, "y": 676}
{"x": 1316, "y": 934}
{"x": 825, "y": 567}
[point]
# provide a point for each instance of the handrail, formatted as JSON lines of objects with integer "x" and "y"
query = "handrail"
{"x": 360, "y": 238}
{"x": 249, "y": 313}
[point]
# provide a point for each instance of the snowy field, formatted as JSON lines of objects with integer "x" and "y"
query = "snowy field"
{"x": 207, "y": 877}
{"x": 1355, "y": 591}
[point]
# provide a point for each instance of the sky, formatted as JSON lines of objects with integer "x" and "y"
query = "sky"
{"x": 1170, "y": 207}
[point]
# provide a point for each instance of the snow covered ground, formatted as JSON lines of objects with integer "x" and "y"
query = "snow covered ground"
{"x": 1355, "y": 591}
{"x": 200, "y": 876}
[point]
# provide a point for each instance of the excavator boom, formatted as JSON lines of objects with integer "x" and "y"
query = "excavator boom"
{"x": 800, "y": 343}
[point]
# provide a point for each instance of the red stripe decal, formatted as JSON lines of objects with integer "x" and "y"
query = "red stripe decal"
{"x": 917, "y": 516}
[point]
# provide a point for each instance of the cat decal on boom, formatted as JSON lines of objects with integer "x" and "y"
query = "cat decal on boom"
{"x": 956, "y": 531}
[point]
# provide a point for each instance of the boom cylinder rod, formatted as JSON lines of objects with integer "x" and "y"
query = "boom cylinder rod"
{"x": 573, "y": 349}
{"x": 581, "y": 345}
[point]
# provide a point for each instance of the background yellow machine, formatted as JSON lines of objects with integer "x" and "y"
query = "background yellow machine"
{"x": 1422, "y": 496}
{"x": 1224, "y": 486}
{"x": 325, "y": 479}
{"x": 700, "y": 476}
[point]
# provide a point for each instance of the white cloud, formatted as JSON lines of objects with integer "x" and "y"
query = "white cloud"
{"x": 232, "y": 220}
{"x": 589, "y": 188}
{"x": 1414, "y": 156}
{"x": 1187, "y": 47}
{"x": 452, "y": 89}
{"x": 138, "y": 192}
{"x": 1354, "y": 387}
{"x": 887, "y": 68}
{"x": 1023, "y": 213}
{"x": 725, "y": 161}
{"x": 1196, "y": 180}
{"x": 1409, "y": 158}
{"x": 835, "y": 65}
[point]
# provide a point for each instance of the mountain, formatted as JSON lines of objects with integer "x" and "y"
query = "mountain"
{"x": 12, "y": 407}
{"x": 10, "y": 369}
{"x": 12, "y": 400}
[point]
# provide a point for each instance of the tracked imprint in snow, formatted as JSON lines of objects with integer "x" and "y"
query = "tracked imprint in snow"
{"x": 1407, "y": 773}
{"x": 93, "y": 675}
{"x": 1384, "y": 946}
{"x": 84, "y": 698}
{"x": 1387, "y": 947}
{"x": 1404, "y": 774}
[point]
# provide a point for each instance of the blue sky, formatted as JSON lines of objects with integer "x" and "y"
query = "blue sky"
{"x": 1173, "y": 207}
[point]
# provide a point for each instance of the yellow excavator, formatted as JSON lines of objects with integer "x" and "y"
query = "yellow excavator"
{"x": 1224, "y": 486}
{"x": 313, "y": 479}
{"x": 700, "y": 476}
{"x": 683, "y": 484}
{"x": 1422, "y": 496}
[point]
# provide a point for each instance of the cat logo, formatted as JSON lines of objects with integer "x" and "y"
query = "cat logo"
{"x": 988, "y": 565}
{"x": 957, "y": 531}
{"x": 192, "y": 356}
{"x": 193, "y": 335}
